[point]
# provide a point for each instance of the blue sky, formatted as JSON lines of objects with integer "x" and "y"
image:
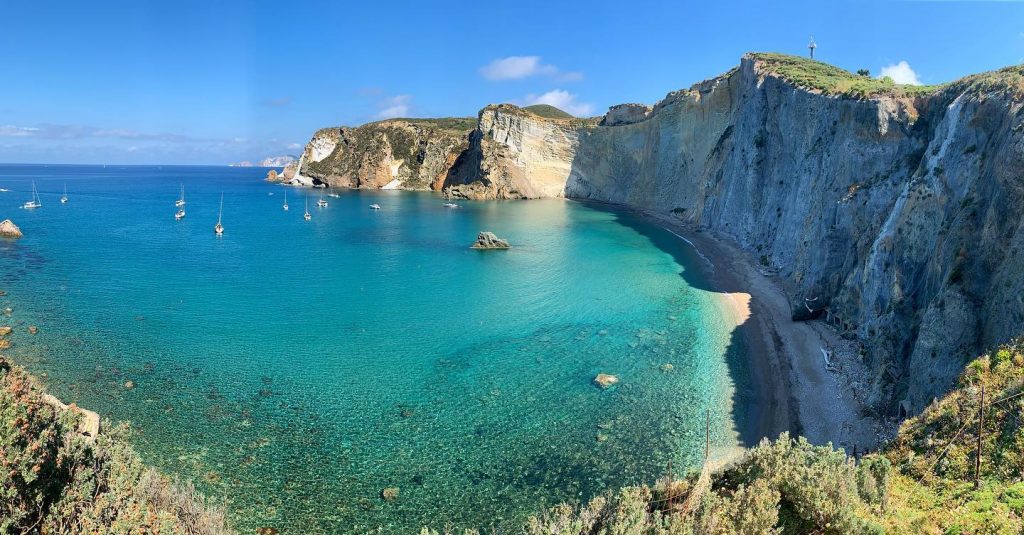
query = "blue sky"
{"x": 219, "y": 81}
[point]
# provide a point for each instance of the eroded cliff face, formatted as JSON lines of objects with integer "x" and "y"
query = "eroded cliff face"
{"x": 901, "y": 216}
{"x": 395, "y": 154}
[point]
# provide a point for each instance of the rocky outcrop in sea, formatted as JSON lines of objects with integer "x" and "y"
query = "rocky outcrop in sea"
{"x": 488, "y": 240}
{"x": 9, "y": 230}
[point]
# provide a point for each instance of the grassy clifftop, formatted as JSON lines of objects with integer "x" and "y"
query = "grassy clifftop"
{"x": 1008, "y": 80}
{"x": 54, "y": 480}
{"x": 831, "y": 80}
{"x": 548, "y": 112}
{"x": 450, "y": 124}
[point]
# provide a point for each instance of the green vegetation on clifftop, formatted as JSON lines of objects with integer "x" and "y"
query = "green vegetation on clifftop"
{"x": 548, "y": 112}
{"x": 452, "y": 124}
{"x": 831, "y": 80}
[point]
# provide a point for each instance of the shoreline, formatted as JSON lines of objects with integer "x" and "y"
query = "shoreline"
{"x": 796, "y": 391}
{"x": 793, "y": 389}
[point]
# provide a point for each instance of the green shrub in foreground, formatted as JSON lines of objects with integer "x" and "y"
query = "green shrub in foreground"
{"x": 56, "y": 481}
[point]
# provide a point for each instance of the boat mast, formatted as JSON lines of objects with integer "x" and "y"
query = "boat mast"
{"x": 221, "y": 213}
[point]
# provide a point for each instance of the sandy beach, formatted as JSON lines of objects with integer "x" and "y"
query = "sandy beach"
{"x": 793, "y": 388}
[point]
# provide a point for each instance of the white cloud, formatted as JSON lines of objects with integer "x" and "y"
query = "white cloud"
{"x": 562, "y": 100}
{"x": 396, "y": 106}
{"x": 518, "y": 67}
{"x": 901, "y": 73}
{"x": 9, "y": 130}
{"x": 294, "y": 146}
{"x": 65, "y": 131}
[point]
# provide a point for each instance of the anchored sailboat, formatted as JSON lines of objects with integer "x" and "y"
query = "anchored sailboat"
{"x": 332, "y": 194}
{"x": 34, "y": 202}
{"x": 321, "y": 203}
{"x": 179, "y": 214}
{"x": 307, "y": 216}
{"x": 285, "y": 205}
{"x": 219, "y": 229}
{"x": 64, "y": 199}
{"x": 181, "y": 200}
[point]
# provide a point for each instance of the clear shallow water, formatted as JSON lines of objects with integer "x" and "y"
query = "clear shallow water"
{"x": 297, "y": 368}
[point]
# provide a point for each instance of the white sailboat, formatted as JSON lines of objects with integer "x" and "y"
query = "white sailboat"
{"x": 332, "y": 194}
{"x": 179, "y": 214}
{"x": 307, "y": 216}
{"x": 375, "y": 206}
{"x": 219, "y": 229}
{"x": 285, "y": 205}
{"x": 64, "y": 199}
{"x": 181, "y": 200}
{"x": 34, "y": 202}
{"x": 321, "y": 203}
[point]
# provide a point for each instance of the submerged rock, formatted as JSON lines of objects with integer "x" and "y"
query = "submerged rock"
{"x": 9, "y": 230}
{"x": 129, "y": 384}
{"x": 389, "y": 494}
{"x": 32, "y": 329}
{"x": 666, "y": 367}
{"x": 605, "y": 380}
{"x": 5, "y": 330}
{"x": 5, "y": 343}
{"x": 487, "y": 240}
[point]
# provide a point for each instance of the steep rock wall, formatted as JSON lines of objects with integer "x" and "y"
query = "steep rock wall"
{"x": 902, "y": 214}
{"x": 404, "y": 154}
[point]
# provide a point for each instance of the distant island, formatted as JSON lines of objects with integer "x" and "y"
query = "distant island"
{"x": 272, "y": 161}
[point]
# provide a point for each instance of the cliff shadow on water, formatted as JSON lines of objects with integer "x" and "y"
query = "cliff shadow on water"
{"x": 757, "y": 392}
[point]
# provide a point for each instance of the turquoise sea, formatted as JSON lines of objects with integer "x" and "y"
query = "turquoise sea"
{"x": 294, "y": 369}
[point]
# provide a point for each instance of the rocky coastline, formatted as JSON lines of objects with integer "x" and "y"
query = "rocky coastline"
{"x": 895, "y": 209}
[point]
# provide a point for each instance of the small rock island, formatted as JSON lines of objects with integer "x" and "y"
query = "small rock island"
{"x": 488, "y": 240}
{"x": 9, "y": 230}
